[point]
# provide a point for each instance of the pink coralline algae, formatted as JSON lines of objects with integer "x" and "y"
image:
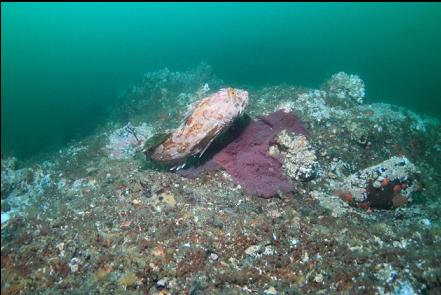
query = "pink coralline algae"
{"x": 247, "y": 160}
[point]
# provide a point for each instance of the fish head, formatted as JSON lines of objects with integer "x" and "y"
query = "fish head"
{"x": 237, "y": 97}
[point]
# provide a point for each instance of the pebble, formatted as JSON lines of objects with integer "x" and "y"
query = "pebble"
{"x": 376, "y": 184}
{"x": 213, "y": 257}
{"x": 318, "y": 278}
{"x": 169, "y": 199}
{"x": 74, "y": 264}
{"x": 294, "y": 242}
{"x": 91, "y": 170}
{"x": 252, "y": 250}
{"x": 270, "y": 291}
{"x": 161, "y": 283}
{"x": 426, "y": 222}
{"x": 60, "y": 246}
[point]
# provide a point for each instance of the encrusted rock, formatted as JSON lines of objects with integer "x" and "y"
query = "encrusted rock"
{"x": 386, "y": 185}
{"x": 333, "y": 203}
{"x": 299, "y": 158}
{"x": 359, "y": 133}
{"x": 20, "y": 186}
{"x": 124, "y": 141}
{"x": 162, "y": 283}
{"x": 345, "y": 86}
{"x": 312, "y": 104}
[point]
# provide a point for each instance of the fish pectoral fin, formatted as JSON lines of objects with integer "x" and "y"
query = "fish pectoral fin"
{"x": 205, "y": 148}
{"x": 210, "y": 142}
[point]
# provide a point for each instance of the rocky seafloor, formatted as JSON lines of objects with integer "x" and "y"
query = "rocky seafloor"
{"x": 362, "y": 216}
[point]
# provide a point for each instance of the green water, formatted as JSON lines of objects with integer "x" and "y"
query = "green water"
{"x": 63, "y": 64}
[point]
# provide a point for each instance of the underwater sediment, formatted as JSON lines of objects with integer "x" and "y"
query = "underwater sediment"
{"x": 354, "y": 207}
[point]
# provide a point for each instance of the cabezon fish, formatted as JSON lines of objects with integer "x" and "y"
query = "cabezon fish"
{"x": 207, "y": 118}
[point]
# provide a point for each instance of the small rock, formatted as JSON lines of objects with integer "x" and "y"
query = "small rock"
{"x": 376, "y": 184}
{"x": 126, "y": 224}
{"x": 60, "y": 246}
{"x": 161, "y": 284}
{"x": 103, "y": 271}
{"x": 294, "y": 242}
{"x": 159, "y": 251}
{"x": 270, "y": 291}
{"x": 299, "y": 159}
{"x": 426, "y": 222}
{"x": 169, "y": 199}
{"x": 318, "y": 278}
{"x": 74, "y": 264}
{"x": 128, "y": 280}
{"x": 252, "y": 250}
{"x": 91, "y": 170}
{"x": 136, "y": 202}
{"x": 213, "y": 257}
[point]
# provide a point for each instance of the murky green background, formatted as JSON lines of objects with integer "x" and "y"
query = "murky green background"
{"x": 62, "y": 64}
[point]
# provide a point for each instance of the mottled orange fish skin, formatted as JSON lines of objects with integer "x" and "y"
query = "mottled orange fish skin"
{"x": 210, "y": 117}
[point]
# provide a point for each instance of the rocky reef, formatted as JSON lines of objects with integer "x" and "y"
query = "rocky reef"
{"x": 386, "y": 185}
{"x": 354, "y": 204}
{"x": 346, "y": 87}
